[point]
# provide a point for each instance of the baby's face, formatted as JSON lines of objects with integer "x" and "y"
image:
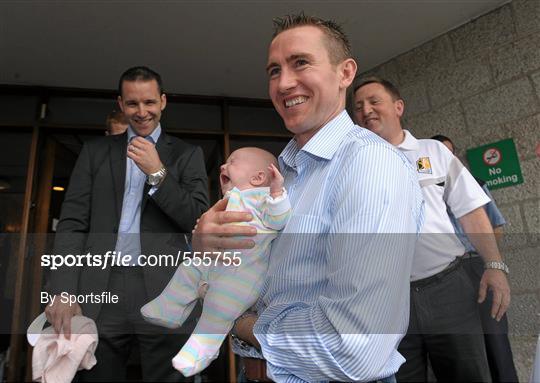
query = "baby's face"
{"x": 240, "y": 167}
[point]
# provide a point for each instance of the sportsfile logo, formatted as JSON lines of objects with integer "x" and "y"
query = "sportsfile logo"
{"x": 112, "y": 258}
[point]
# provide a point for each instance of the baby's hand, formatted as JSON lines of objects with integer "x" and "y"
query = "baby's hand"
{"x": 276, "y": 185}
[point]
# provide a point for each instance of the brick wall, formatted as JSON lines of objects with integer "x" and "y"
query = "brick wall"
{"x": 478, "y": 84}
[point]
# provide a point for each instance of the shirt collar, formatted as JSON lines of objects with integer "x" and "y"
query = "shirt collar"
{"x": 154, "y": 136}
{"x": 409, "y": 143}
{"x": 324, "y": 143}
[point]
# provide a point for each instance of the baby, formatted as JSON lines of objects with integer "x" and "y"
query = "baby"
{"x": 253, "y": 183}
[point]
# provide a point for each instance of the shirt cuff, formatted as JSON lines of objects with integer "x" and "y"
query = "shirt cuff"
{"x": 279, "y": 205}
{"x": 244, "y": 349}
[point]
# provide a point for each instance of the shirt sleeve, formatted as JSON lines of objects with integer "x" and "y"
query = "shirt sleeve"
{"x": 461, "y": 191}
{"x": 494, "y": 214}
{"x": 352, "y": 330}
{"x": 73, "y": 227}
{"x": 183, "y": 194}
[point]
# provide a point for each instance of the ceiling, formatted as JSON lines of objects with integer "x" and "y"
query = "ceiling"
{"x": 205, "y": 47}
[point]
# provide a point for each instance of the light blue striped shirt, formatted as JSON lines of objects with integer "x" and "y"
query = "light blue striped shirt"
{"x": 129, "y": 241}
{"x": 335, "y": 303}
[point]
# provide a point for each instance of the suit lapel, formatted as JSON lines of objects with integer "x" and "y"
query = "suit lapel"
{"x": 163, "y": 147}
{"x": 118, "y": 153}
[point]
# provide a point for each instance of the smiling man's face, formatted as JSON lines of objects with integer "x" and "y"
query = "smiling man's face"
{"x": 306, "y": 89}
{"x": 376, "y": 110}
{"x": 142, "y": 105}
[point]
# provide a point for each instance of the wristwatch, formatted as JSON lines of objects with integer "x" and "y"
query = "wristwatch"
{"x": 497, "y": 265}
{"x": 155, "y": 179}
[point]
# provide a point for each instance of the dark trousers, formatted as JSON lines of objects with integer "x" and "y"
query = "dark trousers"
{"x": 445, "y": 327}
{"x": 499, "y": 352}
{"x": 120, "y": 325}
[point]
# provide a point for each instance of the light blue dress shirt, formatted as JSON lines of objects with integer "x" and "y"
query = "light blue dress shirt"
{"x": 335, "y": 302}
{"x": 129, "y": 240}
{"x": 494, "y": 214}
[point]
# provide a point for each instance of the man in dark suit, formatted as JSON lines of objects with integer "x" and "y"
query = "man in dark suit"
{"x": 134, "y": 194}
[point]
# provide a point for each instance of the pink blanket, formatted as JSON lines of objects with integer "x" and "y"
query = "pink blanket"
{"x": 56, "y": 359}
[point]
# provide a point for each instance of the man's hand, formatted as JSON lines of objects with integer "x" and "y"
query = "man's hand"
{"x": 145, "y": 155}
{"x": 479, "y": 231}
{"x": 276, "y": 184}
{"x": 59, "y": 315}
{"x": 213, "y": 232}
{"x": 496, "y": 281}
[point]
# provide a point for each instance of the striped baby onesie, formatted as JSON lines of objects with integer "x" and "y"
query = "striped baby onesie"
{"x": 232, "y": 289}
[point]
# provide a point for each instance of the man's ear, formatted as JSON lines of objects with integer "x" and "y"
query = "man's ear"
{"x": 163, "y": 101}
{"x": 120, "y": 104}
{"x": 258, "y": 179}
{"x": 347, "y": 71}
{"x": 400, "y": 107}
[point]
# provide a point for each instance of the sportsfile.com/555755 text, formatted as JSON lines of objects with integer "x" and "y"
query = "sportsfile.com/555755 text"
{"x": 112, "y": 258}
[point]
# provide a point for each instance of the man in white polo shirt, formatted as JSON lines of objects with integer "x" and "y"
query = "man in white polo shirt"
{"x": 444, "y": 323}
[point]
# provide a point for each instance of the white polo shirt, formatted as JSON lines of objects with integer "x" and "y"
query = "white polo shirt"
{"x": 444, "y": 181}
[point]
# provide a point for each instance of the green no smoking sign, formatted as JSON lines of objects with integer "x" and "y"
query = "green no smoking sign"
{"x": 497, "y": 164}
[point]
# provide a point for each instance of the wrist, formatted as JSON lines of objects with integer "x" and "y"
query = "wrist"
{"x": 241, "y": 322}
{"x": 497, "y": 265}
{"x": 156, "y": 178}
{"x": 243, "y": 329}
{"x": 277, "y": 193}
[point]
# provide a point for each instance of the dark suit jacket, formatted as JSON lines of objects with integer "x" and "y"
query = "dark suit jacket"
{"x": 93, "y": 205}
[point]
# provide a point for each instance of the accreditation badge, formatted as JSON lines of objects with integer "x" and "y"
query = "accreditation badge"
{"x": 423, "y": 165}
